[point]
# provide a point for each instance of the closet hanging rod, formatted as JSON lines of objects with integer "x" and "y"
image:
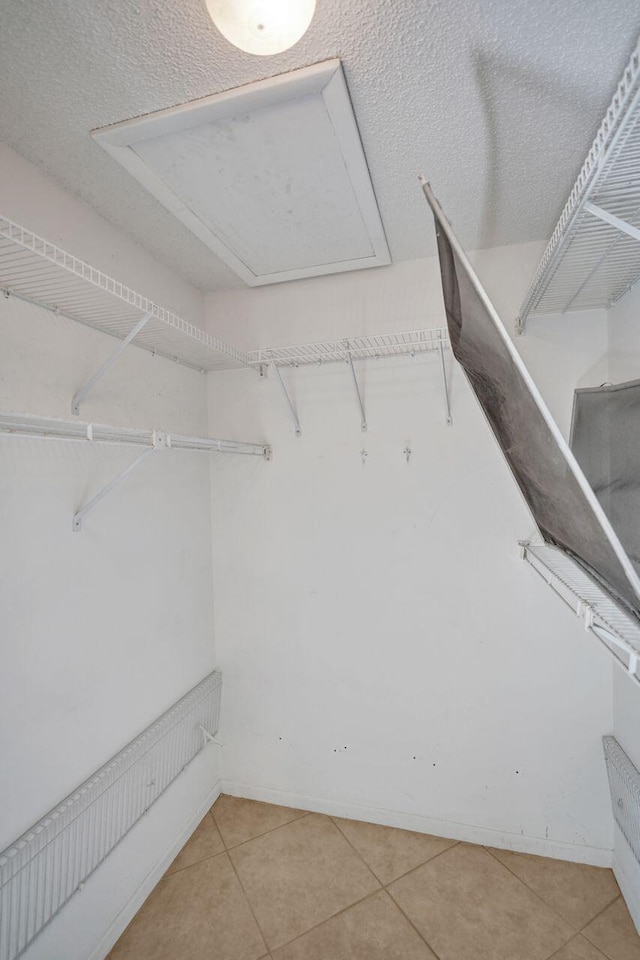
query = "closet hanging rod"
{"x": 617, "y": 630}
{"x": 46, "y": 428}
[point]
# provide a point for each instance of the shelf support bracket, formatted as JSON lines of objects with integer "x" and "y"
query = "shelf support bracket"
{"x": 209, "y": 737}
{"x": 106, "y": 366}
{"x": 160, "y": 440}
{"x": 363, "y": 419}
{"x": 292, "y": 412}
{"x": 445, "y": 383}
{"x": 611, "y": 218}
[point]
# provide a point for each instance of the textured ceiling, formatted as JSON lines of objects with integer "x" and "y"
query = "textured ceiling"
{"x": 496, "y": 101}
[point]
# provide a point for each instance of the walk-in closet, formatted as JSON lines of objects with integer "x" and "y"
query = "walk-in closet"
{"x": 319, "y": 480}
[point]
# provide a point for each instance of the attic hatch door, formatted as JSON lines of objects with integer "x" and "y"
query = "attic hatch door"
{"x": 271, "y": 176}
{"x": 554, "y": 487}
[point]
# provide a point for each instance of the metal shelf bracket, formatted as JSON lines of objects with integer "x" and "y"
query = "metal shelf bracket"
{"x": 611, "y": 219}
{"x": 160, "y": 440}
{"x": 363, "y": 419}
{"x": 292, "y": 412}
{"x": 106, "y": 366}
{"x": 208, "y": 738}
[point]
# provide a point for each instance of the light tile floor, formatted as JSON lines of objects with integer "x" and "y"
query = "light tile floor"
{"x": 260, "y": 881}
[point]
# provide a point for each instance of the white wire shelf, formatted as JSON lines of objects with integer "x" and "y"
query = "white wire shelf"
{"x": 616, "y": 629}
{"x": 593, "y": 257}
{"x": 411, "y": 343}
{"x": 355, "y": 348}
{"x": 35, "y": 270}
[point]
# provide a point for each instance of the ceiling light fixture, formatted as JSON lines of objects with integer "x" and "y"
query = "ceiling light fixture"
{"x": 262, "y": 27}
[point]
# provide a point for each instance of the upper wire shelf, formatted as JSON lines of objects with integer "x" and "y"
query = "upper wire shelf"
{"x": 346, "y": 351}
{"x": 593, "y": 257}
{"x": 355, "y": 348}
{"x": 616, "y": 629}
{"x": 35, "y": 270}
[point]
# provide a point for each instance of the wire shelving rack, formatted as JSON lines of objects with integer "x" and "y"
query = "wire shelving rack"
{"x": 356, "y": 348}
{"x": 616, "y": 629}
{"x": 38, "y": 271}
{"x": 406, "y": 344}
{"x": 593, "y": 257}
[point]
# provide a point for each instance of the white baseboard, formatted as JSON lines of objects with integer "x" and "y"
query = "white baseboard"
{"x": 627, "y": 871}
{"x": 153, "y": 877}
{"x": 486, "y": 836}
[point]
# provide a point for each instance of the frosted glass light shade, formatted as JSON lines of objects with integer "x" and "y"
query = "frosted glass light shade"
{"x": 262, "y": 27}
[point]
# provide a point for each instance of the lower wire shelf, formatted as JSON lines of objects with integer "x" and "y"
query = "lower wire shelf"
{"x": 617, "y": 630}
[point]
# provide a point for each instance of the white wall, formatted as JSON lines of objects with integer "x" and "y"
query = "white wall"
{"x": 104, "y": 629}
{"x": 387, "y": 655}
{"x": 624, "y": 364}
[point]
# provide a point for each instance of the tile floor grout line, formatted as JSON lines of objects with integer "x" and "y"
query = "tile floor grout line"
{"x": 618, "y": 896}
{"x": 588, "y": 939}
{"x": 481, "y": 847}
{"x": 411, "y": 923}
{"x": 357, "y": 852}
{"x": 272, "y": 830}
{"x": 454, "y": 843}
{"x": 385, "y": 886}
{"x": 321, "y": 923}
{"x": 166, "y": 874}
{"x": 250, "y": 905}
{"x": 594, "y": 917}
{"x": 349, "y": 906}
{"x": 174, "y": 873}
{"x": 440, "y": 853}
{"x": 564, "y": 945}
{"x": 246, "y": 896}
{"x": 535, "y": 894}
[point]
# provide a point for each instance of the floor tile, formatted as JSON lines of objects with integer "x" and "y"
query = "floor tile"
{"x": 300, "y": 875}
{"x": 579, "y": 949}
{"x": 576, "y": 891}
{"x": 204, "y": 842}
{"x": 372, "y": 930}
{"x": 614, "y": 933}
{"x": 199, "y": 913}
{"x": 469, "y": 907}
{"x": 388, "y": 851}
{"x": 239, "y": 820}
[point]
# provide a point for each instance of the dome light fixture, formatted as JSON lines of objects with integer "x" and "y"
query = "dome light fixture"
{"x": 262, "y": 27}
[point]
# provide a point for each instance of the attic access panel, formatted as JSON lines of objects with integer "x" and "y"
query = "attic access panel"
{"x": 271, "y": 176}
